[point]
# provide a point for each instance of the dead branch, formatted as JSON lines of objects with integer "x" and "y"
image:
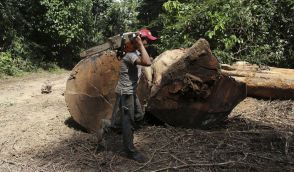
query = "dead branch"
{"x": 194, "y": 165}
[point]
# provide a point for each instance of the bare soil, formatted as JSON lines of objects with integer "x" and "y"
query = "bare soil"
{"x": 37, "y": 134}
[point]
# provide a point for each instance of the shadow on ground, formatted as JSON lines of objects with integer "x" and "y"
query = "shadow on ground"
{"x": 71, "y": 123}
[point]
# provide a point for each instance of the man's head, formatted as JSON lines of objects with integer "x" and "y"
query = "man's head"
{"x": 145, "y": 37}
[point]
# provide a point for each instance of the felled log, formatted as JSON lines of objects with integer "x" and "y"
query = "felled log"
{"x": 266, "y": 82}
{"x": 187, "y": 88}
{"x": 182, "y": 88}
{"x": 90, "y": 88}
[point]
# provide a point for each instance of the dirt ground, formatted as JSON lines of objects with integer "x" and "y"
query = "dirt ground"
{"x": 37, "y": 134}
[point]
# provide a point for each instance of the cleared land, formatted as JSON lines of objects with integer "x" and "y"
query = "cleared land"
{"x": 37, "y": 134}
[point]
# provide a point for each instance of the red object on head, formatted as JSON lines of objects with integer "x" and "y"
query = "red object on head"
{"x": 147, "y": 34}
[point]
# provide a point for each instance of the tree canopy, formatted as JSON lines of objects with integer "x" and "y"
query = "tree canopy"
{"x": 39, "y": 33}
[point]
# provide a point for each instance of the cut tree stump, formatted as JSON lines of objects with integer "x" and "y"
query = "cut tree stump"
{"x": 183, "y": 87}
{"x": 266, "y": 82}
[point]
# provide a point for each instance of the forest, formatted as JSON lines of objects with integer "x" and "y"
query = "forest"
{"x": 218, "y": 97}
{"x": 47, "y": 34}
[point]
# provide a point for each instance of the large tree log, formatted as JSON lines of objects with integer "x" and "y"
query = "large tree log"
{"x": 182, "y": 88}
{"x": 89, "y": 91}
{"x": 268, "y": 82}
{"x": 188, "y": 89}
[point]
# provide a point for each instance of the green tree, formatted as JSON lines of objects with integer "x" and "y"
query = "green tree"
{"x": 15, "y": 28}
{"x": 65, "y": 27}
{"x": 255, "y": 31}
{"x": 38, "y": 33}
{"x": 149, "y": 11}
{"x": 119, "y": 17}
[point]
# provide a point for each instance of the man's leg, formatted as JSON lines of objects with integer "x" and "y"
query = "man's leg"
{"x": 128, "y": 105}
{"x": 116, "y": 114}
{"x": 139, "y": 115}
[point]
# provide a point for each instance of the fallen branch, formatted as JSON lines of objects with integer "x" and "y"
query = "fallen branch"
{"x": 153, "y": 154}
{"x": 176, "y": 158}
{"x": 193, "y": 165}
{"x": 270, "y": 159}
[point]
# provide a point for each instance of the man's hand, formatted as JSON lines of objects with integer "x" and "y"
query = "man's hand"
{"x": 139, "y": 42}
{"x": 145, "y": 59}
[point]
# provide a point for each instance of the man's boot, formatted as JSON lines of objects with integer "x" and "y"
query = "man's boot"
{"x": 138, "y": 156}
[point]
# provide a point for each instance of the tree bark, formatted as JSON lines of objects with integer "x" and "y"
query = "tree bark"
{"x": 187, "y": 88}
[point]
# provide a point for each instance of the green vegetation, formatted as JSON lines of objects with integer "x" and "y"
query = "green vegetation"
{"x": 43, "y": 34}
{"x": 259, "y": 31}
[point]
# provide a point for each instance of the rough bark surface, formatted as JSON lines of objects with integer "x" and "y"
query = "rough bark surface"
{"x": 188, "y": 89}
{"x": 182, "y": 88}
{"x": 267, "y": 82}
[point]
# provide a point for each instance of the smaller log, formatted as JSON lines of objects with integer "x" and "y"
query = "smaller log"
{"x": 266, "y": 82}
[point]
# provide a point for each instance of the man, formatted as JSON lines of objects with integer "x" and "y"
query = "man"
{"x": 127, "y": 100}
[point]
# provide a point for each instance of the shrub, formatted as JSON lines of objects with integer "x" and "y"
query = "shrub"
{"x": 10, "y": 65}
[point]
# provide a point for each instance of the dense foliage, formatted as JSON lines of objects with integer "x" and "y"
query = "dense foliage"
{"x": 256, "y": 31}
{"x": 42, "y": 33}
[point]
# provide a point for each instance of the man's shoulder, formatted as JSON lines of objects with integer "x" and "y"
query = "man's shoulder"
{"x": 131, "y": 57}
{"x": 134, "y": 53}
